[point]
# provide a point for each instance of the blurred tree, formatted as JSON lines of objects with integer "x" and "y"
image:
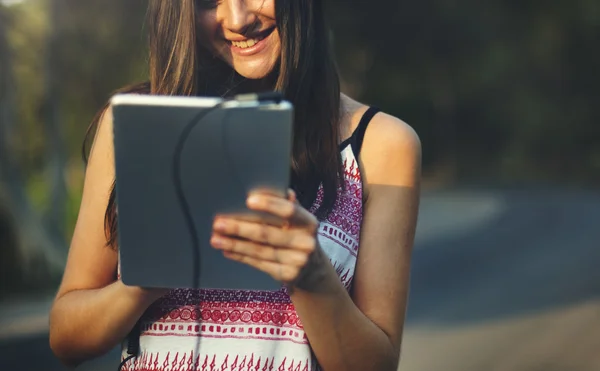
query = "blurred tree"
{"x": 102, "y": 48}
{"x": 55, "y": 148}
{"x": 30, "y": 255}
{"x": 8, "y": 169}
{"x": 59, "y": 61}
{"x": 97, "y": 47}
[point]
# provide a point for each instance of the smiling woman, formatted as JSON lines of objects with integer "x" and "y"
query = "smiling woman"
{"x": 341, "y": 254}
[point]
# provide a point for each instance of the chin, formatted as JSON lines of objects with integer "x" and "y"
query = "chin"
{"x": 254, "y": 71}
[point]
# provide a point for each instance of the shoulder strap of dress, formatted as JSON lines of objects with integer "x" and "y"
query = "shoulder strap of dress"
{"x": 358, "y": 135}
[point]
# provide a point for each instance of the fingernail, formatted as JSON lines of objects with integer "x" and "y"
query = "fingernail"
{"x": 220, "y": 225}
{"x": 218, "y": 242}
{"x": 253, "y": 200}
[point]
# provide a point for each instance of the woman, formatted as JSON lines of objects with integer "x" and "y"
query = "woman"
{"x": 343, "y": 257}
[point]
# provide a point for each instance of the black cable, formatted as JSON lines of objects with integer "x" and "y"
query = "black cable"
{"x": 133, "y": 338}
{"x": 133, "y": 344}
{"x": 181, "y": 195}
{"x": 187, "y": 212}
{"x": 257, "y": 97}
{"x": 262, "y": 97}
{"x": 127, "y": 359}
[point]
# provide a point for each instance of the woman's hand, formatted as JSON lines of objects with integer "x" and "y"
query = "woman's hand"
{"x": 286, "y": 252}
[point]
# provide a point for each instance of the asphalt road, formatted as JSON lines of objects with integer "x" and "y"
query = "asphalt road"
{"x": 501, "y": 281}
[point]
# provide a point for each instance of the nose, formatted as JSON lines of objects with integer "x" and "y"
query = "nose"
{"x": 236, "y": 16}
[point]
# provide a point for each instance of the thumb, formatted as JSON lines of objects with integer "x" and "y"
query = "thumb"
{"x": 292, "y": 195}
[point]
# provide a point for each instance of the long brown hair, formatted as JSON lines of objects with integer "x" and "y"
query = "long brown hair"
{"x": 306, "y": 75}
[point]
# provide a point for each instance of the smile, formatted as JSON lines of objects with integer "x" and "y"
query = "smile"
{"x": 251, "y": 45}
{"x": 247, "y": 43}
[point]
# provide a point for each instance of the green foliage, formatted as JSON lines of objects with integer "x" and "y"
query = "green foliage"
{"x": 26, "y": 37}
{"x": 101, "y": 48}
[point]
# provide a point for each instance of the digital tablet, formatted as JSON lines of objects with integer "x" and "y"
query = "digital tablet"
{"x": 233, "y": 148}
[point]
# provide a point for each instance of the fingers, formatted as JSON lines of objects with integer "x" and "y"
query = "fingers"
{"x": 280, "y": 251}
{"x": 281, "y": 256}
{"x": 290, "y": 194}
{"x": 280, "y": 207}
{"x": 287, "y": 209}
{"x": 279, "y": 271}
{"x": 265, "y": 234}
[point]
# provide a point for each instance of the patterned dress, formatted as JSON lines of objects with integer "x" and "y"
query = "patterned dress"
{"x": 243, "y": 330}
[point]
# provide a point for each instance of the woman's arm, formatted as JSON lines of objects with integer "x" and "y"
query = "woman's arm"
{"x": 346, "y": 333}
{"x": 92, "y": 312}
{"x": 87, "y": 323}
{"x": 365, "y": 332}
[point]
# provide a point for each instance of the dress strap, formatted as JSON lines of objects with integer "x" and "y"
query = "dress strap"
{"x": 357, "y": 137}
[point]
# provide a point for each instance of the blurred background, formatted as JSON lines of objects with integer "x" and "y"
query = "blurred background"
{"x": 504, "y": 95}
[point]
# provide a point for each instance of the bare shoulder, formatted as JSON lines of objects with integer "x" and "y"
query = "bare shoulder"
{"x": 103, "y": 134}
{"x": 391, "y": 135}
{"x": 391, "y": 156}
{"x": 391, "y": 150}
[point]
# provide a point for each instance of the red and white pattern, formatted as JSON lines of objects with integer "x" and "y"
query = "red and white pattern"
{"x": 231, "y": 362}
{"x": 242, "y": 330}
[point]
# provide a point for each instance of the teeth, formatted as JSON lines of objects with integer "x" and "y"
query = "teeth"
{"x": 245, "y": 44}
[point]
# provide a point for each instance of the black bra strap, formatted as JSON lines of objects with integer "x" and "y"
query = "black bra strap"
{"x": 358, "y": 135}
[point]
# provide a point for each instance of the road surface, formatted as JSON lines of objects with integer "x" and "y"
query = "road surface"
{"x": 501, "y": 281}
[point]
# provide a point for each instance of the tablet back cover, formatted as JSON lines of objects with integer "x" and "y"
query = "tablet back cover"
{"x": 230, "y": 152}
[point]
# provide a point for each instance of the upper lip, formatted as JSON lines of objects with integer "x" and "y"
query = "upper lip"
{"x": 250, "y": 36}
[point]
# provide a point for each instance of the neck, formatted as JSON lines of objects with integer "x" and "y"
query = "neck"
{"x": 222, "y": 80}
